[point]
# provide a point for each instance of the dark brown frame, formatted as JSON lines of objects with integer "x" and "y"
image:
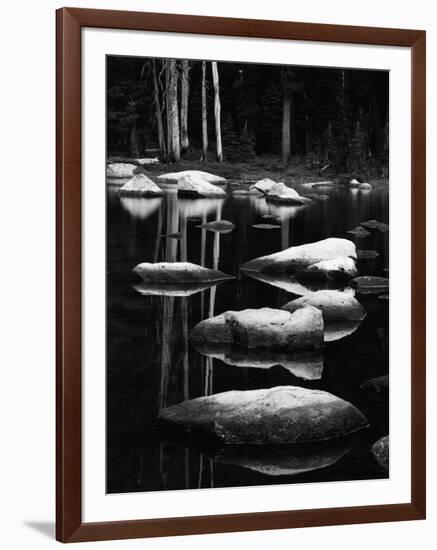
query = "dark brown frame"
{"x": 69, "y": 526}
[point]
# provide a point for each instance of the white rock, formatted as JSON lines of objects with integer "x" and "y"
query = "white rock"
{"x": 334, "y": 305}
{"x": 281, "y": 194}
{"x": 176, "y": 176}
{"x": 338, "y": 269}
{"x": 263, "y": 185}
{"x": 178, "y": 272}
{"x": 196, "y": 186}
{"x": 140, "y": 186}
{"x": 123, "y": 170}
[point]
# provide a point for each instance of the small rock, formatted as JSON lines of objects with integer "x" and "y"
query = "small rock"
{"x": 377, "y": 388}
{"x": 367, "y": 254}
{"x": 376, "y": 225}
{"x": 123, "y": 170}
{"x": 359, "y": 232}
{"x": 140, "y": 186}
{"x": 371, "y": 285}
{"x": 265, "y": 226}
{"x": 365, "y": 186}
{"x": 354, "y": 183}
{"x": 380, "y": 453}
{"x": 218, "y": 226}
{"x": 275, "y": 416}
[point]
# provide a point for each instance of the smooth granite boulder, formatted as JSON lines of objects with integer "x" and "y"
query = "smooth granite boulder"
{"x": 264, "y": 185}
{"x": 275, "y": 416}
{"x": 196, "y": 186}
{"x": 296, "y": 258}
{"x": 380, "y": 452}
{"x": 282, "y": 194}
{"x": 338, "y": 270}
{"x": 140, "y": 186}
{"x": 334, "y": 305}
{"x": 123, "y": 170}
{"x": 176, "y": 176}
{"x": 178, "y": 272}
{"x": 214, "y": 330}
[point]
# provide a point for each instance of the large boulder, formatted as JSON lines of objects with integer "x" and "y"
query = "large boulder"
{"x": 296, "y": 258}
{"x": 178, "y": 272}
{"x": 380, "y": 452}
{"x": 275, "y": 416}
{"x": 264, "y": 328}
{"x": 338, "y": 270}
{"x": 140, "y": 186}
{"x": 206, "y": 176}
{"x": 334, "y": 305}
{"x": 282, "y": 194}
{"x": 196, "y": 186}
{"x": 264, "y": 185}
{"x": 123, "y": 170}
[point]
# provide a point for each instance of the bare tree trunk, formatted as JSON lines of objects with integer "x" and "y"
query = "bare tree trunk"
{"x": 161, "y": 138}
{"x": 185, "y": 89}
{"x": 218, "y": 131}
{"x": 204, "y": 114}
{"x": 286, "y": 108}
{"x": 133, "y": 142}
{"x": 168, "y": 107}
{"x": 174, "y": 112}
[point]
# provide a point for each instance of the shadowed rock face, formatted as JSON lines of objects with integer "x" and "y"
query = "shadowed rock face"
{"x": 176, "y": 176}
{"x": 381, "y": 454}
{"x": 264, "y": 328}
{"x": 296, "y": 258}
{"x": 334, "y": 305}
{"x": 123, "y": 170}
{"x": 140, "y": 186}
{"x": 196, "y": 186}
{"x": 178, "y": 273}
{"x": 338, "y": 270}
{"x": 307, "y": 365}
{"x": 275, "y": 416}
{"x": 377, "y": 388}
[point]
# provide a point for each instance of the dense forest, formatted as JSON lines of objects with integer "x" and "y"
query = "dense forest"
{"x": 323, "y": 118}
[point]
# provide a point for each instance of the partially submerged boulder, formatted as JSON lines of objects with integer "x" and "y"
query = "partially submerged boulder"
{"x": 140, "y": 186}
{"x": 264, "y": 328}
{"x": 282, "y": 194}
{"x": 338, "y": 270}
{"x": 178, "y": 272}
{"x": 275, "y": 416}
{"x": 123, "y": 170}
{"x": 381, "y": 454}
{"x": 206, "y": 176}
{"x": 296, "y": 258}
{"x": 264, "y": 185}
{"x": 334, "y": 305}
{"x": 359, "y": 232}
{"x": 307, "y": 365}
{"x": 196, "y": 186}
{"x": 376, "y": 226}
{"x": 371, "y": 285}
{"x": 218, "y": 226}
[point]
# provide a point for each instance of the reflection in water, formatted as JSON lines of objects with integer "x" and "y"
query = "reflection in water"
{"x": 151, "y": 363}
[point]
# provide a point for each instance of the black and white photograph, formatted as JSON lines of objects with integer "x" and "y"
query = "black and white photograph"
{"x": 247, "y": 274}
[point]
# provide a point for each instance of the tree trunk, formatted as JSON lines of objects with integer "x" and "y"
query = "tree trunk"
{"x": 158, "y": 115}
{"x": 204, "y": 115}
{"x": 218, "y": 131}
{"x": 167, "y": 95}
{"x": 172, "y": 93}
{"x": 133, "y": 142}
{"x": 286, "y": 142}
{"x": 185, "y": 88}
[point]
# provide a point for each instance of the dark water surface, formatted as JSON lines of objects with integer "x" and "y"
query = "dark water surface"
{"x": 151, "y": 363}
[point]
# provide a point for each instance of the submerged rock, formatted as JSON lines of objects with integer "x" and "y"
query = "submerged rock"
{"x": 265, "y": 226}
{"x": 264, "y": 328}
{"x": 334, "y": 305}
{"x": 376, "y": 225}
{"x": 196, "y": 186}
{"x": 178, "y": 272}
{"x": 281, "y": 194}
{"x": 320, "y": 184}
{"x": 219, "y": 226}
{"x": 123, "y": 170}
{"x": 297, "y": 258}
{"x": 367, "y": 254}
{"x": 338, "y": 270}
{"x": 371, "y": 285}
{"x": 381, "y": 454}
{"x": 176, "y": 176}
{"x": 377, "y": 388}
{"x": 140, "y": 186}
{"x": 307, "y": 365}
{"x": 359, "y": 232}
{"x": 275, "y": 416}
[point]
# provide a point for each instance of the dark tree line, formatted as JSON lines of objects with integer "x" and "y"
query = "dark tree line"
{"x": 236, "y": 111}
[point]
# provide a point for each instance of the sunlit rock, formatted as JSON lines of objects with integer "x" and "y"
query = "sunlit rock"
{"x": 338, "y": 270}
{"x": 354, "y": 183}
{"x": 264, "y": 185}
{"x": 123, "y": 170}
{"x": 178, "y": 272}
{"x": 218, "y": 226}
{"x": 282, "y": 194}
{"x": 381, "y": 454}
{"x": 376, "y": 388}
{"x": 297, "y": 258}
{"x": 206, "y": 176}
{"x": 140, "y": 186}
{"x": 334, "y": 305}
{"x": 275, "y": 416}
{"x": 307, "y": 365}
{"x": 195, "y": 186}
{"x": 365, "y": 186}
{"x": 370, "y": 285}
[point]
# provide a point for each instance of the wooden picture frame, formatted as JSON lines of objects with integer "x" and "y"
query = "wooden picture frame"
{"x": 69, "y": 525}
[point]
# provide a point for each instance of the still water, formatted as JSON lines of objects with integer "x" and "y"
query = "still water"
{"x": 151, "y": 363}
